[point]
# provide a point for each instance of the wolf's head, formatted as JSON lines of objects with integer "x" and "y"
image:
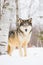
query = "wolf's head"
{"x": 25, "y": 25}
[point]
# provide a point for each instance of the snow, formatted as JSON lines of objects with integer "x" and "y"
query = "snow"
{"x": 34, "y": 57}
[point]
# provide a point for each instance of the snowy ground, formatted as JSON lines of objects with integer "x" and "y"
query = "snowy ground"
{"x": 34, "y": 57}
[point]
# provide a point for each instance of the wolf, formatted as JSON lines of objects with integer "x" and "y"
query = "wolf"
{"x": 20, "y": 37}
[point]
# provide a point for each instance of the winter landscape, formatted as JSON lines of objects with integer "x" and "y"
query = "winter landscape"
{"x": 27, "y": 9}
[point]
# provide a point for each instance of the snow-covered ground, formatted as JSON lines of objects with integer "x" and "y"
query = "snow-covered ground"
{"x": 34, "y": 57}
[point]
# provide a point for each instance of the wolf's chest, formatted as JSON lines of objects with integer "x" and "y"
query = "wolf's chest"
{"x": 24, "y": 38}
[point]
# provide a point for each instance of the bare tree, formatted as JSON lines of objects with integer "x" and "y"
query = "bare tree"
{"x": 17, "y": 17}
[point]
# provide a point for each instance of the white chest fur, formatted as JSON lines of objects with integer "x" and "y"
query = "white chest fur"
{"x": 23, "y": 38}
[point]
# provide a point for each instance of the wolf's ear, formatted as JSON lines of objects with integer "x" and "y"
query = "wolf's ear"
{"x": 30, "y": 20}
{"x": 20, "y": 20}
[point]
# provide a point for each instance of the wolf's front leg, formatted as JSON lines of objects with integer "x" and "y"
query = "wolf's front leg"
{"x": 20, "y": 50}
{"x": 25, "y": 52}
{"x": 25, "y": 46}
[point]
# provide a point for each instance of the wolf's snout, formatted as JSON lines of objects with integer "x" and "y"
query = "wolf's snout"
{"x": 26, "y": 30}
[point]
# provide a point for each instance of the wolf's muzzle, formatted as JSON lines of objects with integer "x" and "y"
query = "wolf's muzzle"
{"x": 26, "y": 30}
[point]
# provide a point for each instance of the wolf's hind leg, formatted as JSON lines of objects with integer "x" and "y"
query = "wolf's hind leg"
{"x": 10, "y": 49}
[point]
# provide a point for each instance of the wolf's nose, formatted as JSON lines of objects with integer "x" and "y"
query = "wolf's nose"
{"x": 26, "y": 30}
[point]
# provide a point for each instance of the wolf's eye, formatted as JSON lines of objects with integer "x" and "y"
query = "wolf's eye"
{"x": 21, "y": 24}
{"x": 30, "y": 23}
